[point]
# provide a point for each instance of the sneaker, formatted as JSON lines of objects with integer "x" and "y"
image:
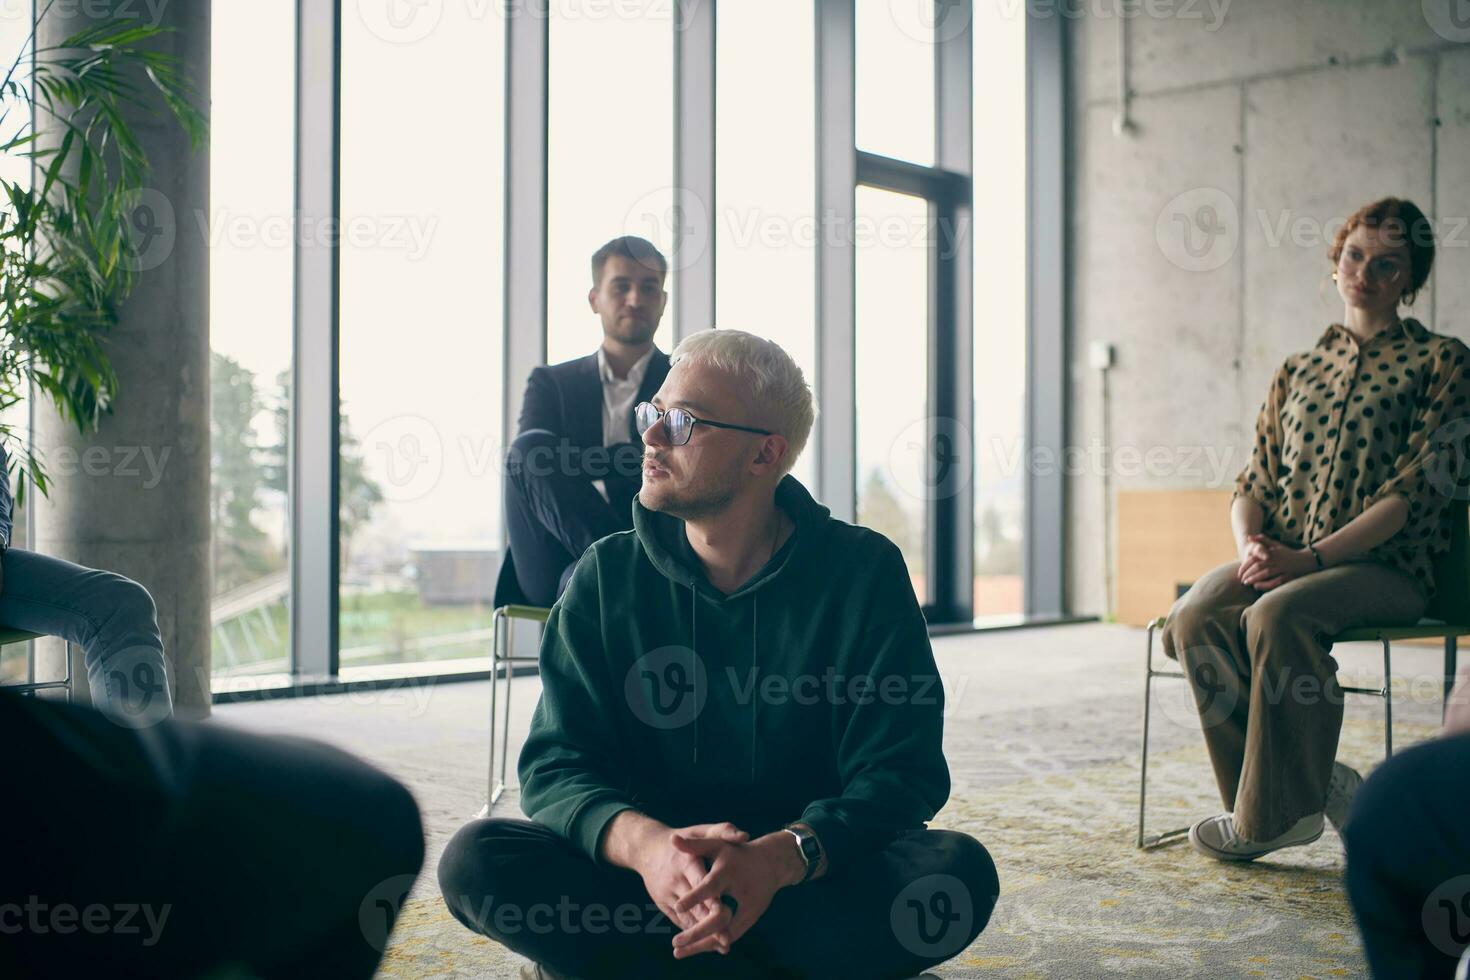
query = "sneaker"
{"x": 1344, "y": 786}
{"x": 1216, "y": 837}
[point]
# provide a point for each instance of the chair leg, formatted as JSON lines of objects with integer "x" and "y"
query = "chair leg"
{"x": 497, "y": 625}
{"x": 1450, "y": 656}
{"x": 1387, "y": 700}
{"x": 1148, "y": 690}
{"x": 510, "y": 672}
{"x": 1169, "y": 836}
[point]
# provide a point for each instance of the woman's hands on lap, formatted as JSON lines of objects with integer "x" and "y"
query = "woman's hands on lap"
{"x": 1266, "y": 563}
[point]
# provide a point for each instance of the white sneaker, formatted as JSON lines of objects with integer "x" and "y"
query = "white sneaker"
{"x": 1340, "y": 793}
{"x": 1216, "y": 837}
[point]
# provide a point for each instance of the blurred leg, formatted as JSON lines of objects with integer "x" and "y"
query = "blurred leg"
{"x": 186, "y": 848}
{"x": 1408, "y": 848}
{"x": 109, "y": 616}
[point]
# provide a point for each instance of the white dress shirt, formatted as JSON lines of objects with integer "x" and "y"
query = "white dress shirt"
{"x": 617, "y": 402}
{"x": 617, "y": 396}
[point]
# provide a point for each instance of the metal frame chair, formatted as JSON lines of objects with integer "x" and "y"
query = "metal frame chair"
{"x": 9, "y": 636}
{"x": 1449, "y": 606}
{"x": 510, "y": 605}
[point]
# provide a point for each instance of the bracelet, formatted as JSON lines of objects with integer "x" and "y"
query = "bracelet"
{"x": 1313, "y": 549}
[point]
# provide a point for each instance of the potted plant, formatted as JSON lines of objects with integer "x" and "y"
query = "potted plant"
{"x": 67, "y": 236}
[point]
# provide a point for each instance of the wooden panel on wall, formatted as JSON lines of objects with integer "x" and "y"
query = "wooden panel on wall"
{"x": 1166, "y": 537}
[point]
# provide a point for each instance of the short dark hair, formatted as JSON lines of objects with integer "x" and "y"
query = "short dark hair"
{"x": 1398, "y": 222}
{"x": 640, "y": 250}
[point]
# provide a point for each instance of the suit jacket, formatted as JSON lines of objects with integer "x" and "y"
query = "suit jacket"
{"x": 566, "y": 399}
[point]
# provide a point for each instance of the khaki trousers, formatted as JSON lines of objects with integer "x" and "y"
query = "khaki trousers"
{"x": 1265, "y": 682}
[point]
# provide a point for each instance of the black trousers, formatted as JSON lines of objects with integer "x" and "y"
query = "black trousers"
{"x": 1408, "y": 849}
{"x": 190, "y": 849}
{"x": 918, "y": 901}
{"x": 553, "y": 512}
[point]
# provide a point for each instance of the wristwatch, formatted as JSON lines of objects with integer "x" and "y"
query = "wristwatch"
{"x": 811, "y": 850}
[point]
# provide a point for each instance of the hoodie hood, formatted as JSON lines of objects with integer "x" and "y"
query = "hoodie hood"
{"x": 664, "y": 542}
{"x": 667, "y": 547}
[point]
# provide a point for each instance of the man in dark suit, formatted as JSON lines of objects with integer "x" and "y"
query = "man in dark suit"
{"x": 575, "y": 465}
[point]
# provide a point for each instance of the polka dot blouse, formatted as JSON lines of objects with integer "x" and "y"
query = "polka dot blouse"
{"x": 1343, "y": 427}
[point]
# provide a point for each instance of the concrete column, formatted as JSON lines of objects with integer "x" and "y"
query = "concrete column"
{"x": 133, "y": 497}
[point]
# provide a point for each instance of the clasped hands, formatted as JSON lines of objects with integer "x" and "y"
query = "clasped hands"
{"x": 1266, "y": 563}
{"x": 688, "y": 871}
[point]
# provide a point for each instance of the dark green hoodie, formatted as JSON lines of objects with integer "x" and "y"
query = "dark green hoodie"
{"x": 810, "y": 693}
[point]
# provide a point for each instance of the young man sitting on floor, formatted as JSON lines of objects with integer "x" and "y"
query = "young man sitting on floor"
{"x": 738, "y": 740}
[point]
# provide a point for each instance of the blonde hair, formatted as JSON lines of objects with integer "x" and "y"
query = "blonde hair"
{"x": 777, "y": 386}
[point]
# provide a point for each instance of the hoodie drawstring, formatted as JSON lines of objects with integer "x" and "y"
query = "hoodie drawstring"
{"x": 693, "y": 634}
{"x": 755, "y": 705}
{"x": 754, "y": 648}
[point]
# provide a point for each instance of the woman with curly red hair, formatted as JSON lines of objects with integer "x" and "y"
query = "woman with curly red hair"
{"x": 1335, "y": 516}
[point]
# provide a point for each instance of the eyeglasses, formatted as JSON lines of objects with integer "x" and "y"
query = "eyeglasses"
{"x": 679, "y": 424}
{"x": 1381, "y": 269}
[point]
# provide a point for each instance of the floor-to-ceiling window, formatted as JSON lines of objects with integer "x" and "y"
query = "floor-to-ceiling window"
{"x": 892, "y": 304}
{"x": 421, "y": 247}
{"x": 765, "y": 180}
{"x": 421, "y": 335}
{"x": 895, "y": 79}
{"x": 894, "y": 241}
{"x": 252, "y": 232}
{"x": 999, "y": 188}
{"x": 610, "y": 154}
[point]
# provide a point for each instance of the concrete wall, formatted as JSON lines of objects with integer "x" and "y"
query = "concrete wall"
{"x": 109, "y": 506}
{"x": 1198, "y": 240}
